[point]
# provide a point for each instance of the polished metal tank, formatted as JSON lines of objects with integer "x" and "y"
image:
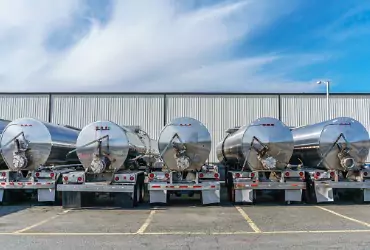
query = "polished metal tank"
{"x": 28, "y": 143}
{"x": 343, "y": 140}
{"x": 105, "y": 145}
{"x": 184, "y": 144}
{"x": 265, "y": 144}
{"x": 3, "y": 124}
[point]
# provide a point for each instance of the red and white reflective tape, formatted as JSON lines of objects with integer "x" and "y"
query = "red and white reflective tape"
{"x": 25, "y": 183}
{"x": 183, "y": 187}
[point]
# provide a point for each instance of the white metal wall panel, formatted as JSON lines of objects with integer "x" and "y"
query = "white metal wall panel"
{"x": 303, "y": 110}
{"x": 146, "y": 111}
{"x": 19, "y": 106}
{"x": 220, "y": 112}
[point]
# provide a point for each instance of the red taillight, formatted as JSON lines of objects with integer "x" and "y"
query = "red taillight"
{"x": 132, "y": 178}
{"x": 167, "y": 175}
{"x": 318, "y": 174}
{"x": 151, "y": 175}
{"x": 201, "y": 175}
{"x": 365, "y": 173}
{"x": 216, "y": 175}
{"x": 79, "y": 179}
{"x": 287, "y": 174}
{"x": 237, "y": 175}
{"x": 65, "y": 178}
{"x": 116, "y": 178}
{"x": 52, "y": 175}
{"x": 37, "y": 174}
{"x": 3, "y": 174}
{"x": 301, "y": 174}
{"x": 252, "y": 175}
{"x": 332, "y": 174}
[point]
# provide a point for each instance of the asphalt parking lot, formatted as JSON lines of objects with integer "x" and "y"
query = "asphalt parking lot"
{"x": 186, "y": 227}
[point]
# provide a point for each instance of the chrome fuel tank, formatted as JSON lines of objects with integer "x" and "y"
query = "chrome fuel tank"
{"x": 28, "y": 143}
{"x": 104, "y": 145}
{"x": 184, "y": 144}
{"x": 343, "y": 140}
{"x": 265, "y": 144}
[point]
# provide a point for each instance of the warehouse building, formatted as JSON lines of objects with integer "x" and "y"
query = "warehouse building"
{"x": 153, "y": 110}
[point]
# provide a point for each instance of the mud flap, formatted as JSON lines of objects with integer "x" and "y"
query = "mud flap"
{"x": 244, "y": 195}
{"x": 293, "y": 195}
{"x": 44, "y": 195}
{"x": 210, "y": 197}
{"x": 324, "y": 194}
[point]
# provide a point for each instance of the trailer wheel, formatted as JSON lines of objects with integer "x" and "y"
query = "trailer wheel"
{"x": 309, "y": 193}
{"x": 142, "y": 189}
{"x": 135, "y": 195}
{"x": 230, "y": 188}
{"x": 58, "y": 194}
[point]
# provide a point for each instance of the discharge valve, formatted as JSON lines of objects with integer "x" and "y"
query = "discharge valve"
{"x": 20, "y": 160}
{"x": 99, "y": 163}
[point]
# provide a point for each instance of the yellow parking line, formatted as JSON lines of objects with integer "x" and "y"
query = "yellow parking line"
{"x": 343, "y": 216}
{"x": 317, "y": 231}
{"x": 191, "y": 233}
{"x": 146, "y": 223}
{"x": 249, "y": 220}
{"x": 41, "y": 222}
{"x": 66, "y": 234}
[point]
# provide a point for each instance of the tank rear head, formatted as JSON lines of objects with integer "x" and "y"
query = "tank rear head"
{"x": 184, "y": 144}
{"x": 25, "y": 144}
{"x": 102, "y": 145}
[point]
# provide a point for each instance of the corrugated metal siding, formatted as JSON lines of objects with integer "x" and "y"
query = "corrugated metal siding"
{"x": 220, "y": 112}
{"x": 18, "y": 106}
{"x": 303, "y": 110}
{"x": 80, "y": 110}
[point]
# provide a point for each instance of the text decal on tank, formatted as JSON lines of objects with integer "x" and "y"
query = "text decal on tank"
{"x": 102, "y": 128}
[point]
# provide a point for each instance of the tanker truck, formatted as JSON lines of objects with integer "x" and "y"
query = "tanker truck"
{"x": 115, "y": 159}
{"x": 333, "y": 153}
{"x": 256, "y": 157}
{"x": 184, "y": 145}
{"x": 3, "y": 124}
{"x": 35, "y": 155}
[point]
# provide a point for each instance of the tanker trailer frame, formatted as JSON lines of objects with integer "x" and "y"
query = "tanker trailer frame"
{"x": 334, "y": 154}
{"x": 114, "y": 163}
{"x": 34, "y": 152}
{"x": 184, "y": 147}
{"x": 256, "y": 158}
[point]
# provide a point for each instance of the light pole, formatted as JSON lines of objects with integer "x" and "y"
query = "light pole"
{"x": 327, "y": 83}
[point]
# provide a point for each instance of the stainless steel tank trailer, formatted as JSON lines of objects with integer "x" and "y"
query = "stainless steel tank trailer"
{"x": 3, "y": 124}
{"x": 256, "y": 157}
{"x": 115, "y": 159}
{"x": 184, "y": 145}
{"x": 333, "y": 153}
{"x": 35, "y": 154}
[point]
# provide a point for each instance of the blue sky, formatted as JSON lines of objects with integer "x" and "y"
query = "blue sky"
{"x": 173, "y": 45}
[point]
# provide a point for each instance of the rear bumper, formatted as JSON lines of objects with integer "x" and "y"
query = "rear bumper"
{"x": 343, "y": 184}
{"x": 270, "y": 185}
{"x": 27, "y": 185}
{"x": 178, "y": 187}
{"x": 127, "y": 188}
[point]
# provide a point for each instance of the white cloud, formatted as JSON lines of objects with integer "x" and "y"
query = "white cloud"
{"x": 148, "y": 45}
